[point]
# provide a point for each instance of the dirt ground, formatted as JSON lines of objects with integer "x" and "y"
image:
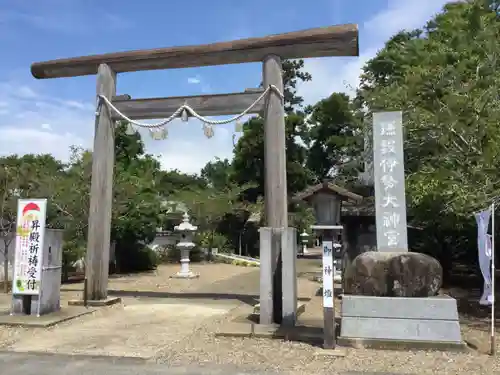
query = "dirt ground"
{"x": 173, "y": 321}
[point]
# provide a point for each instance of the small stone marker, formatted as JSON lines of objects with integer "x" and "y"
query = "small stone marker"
{"x": 390, "y": 200}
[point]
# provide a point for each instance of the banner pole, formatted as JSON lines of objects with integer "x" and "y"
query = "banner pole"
{"x": 492, "y": 338}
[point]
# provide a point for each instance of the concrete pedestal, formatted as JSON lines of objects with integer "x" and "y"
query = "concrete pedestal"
{"x": 379, "y": 322}
{"x": 182, "y": 275}
{"x": 48, "y": 300}
{"x": 185, "y": 272}
{"x": 185, "y": 245}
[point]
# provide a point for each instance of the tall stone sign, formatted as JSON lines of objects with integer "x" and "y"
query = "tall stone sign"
{"x": 389, "y": 181}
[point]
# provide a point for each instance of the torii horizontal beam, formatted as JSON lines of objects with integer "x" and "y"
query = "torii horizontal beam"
{"x": 204, "y": 105}
{"x": 341, "y": 40}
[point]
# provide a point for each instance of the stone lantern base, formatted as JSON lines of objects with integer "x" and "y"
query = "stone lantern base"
{"x": 304, "y": 250}
{"x": 185, "y": 272}
{"x": 181, "y": 275}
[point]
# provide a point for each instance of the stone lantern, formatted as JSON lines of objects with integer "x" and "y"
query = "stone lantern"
{"x": 185, "y": 245}
{"x": 304, "y": 237}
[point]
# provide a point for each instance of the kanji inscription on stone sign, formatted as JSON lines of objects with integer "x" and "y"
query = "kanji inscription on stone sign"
{"x": 389, "y": 179}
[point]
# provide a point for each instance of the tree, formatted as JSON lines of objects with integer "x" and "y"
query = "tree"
{"x": 292, "y": 73}
{"x": 445, "y": 79}
{"x": 334, "y": 138}
{"x": 210, "y": 206}
{"x": 136, "y": 203}
{"x": 9, "y": 192}
{"x": 301, "y": 217}
{"x": 217, "y": 173}
{"x": 137, "y": 210}
{"x": 29, "y": 176}
{"x": 248, "y": 162}
{"x": 169, "y": 182}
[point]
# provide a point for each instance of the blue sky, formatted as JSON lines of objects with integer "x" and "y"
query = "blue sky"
{"x": 48, "y": 116}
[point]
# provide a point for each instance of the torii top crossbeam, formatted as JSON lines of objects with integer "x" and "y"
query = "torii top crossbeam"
{"x": 341, "y": 40}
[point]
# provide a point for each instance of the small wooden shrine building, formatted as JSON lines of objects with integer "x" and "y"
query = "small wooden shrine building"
{"x": 335, "y": 205}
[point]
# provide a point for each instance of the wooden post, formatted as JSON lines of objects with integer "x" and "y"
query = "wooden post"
{"x": 275, "y": 192}
{"x": 328, "y": 291}
{"x": 101, "y": 191}
{"x": 329, "y": 246}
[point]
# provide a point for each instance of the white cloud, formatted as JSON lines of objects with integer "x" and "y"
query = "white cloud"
{"x": 34, "y": 122}
{"x": 77, "y": 104}
{"x": 39, "y": 124}
{"x": 341, "y": 74}
{"x": 194, "y": 80}
{"x": 187, "y": 149}
{"x": 24, "y": 92}
{"x": 47, "y": 124}
{"x": 14, "y": 140}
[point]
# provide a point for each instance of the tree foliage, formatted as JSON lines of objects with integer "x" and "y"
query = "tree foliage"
{"x": 29, "y": 176}
{"x": 445, "y": 78}
{"x": 217, "y": 173}
{"x": 248, "y": 162}
{"x": 334, "y": 137}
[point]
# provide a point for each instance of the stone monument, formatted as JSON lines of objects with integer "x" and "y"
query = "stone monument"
{"x": 391, "y": 295}
{"x": 185, "y": 245}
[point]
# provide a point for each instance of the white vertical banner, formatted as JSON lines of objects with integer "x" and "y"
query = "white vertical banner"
{"x": 492, "y": 338}
{"x": 30, "y": 231}
{"x": 484, "y": 247}
{"x": 328, "y": 271}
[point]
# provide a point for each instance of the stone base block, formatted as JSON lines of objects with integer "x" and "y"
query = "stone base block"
{"x": 337, "y": 352}
{"x": 43, "y": 321}
{"x": 383, "y": 344}
{"x": 96, "y": 303}
{"x": 430, "y": 322}
{"x": 189, "y": 275}
{"x": 301, "y": 307}
{"x": 270, "y": 331}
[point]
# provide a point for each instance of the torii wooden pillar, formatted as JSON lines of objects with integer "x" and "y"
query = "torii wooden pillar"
{"x": 320, "y": 42}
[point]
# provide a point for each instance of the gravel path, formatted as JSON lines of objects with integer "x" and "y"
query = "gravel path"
{"x": 251, "y": 354}
{"x": 200, "y": 347}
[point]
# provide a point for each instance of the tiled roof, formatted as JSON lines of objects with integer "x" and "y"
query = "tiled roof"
{"x": 329, "y": 187}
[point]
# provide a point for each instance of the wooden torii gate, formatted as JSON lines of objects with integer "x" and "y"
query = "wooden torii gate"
{"x": 341, "y": 40}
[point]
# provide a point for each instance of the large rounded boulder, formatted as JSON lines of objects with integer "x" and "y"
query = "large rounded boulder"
{"x": 394, "y": 274}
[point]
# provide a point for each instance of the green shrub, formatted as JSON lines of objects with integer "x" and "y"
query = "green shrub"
{"x": 171, "y": 254}
{"x": 213, "y": 240}
{"x": 243, "y": 263}
{"x": 72, "y": 251}
{"x": 136, "y": 258}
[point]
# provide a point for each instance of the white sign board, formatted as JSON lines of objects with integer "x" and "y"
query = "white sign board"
{"x": 328, "y": 271}
{"x": 30, "y": 230}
